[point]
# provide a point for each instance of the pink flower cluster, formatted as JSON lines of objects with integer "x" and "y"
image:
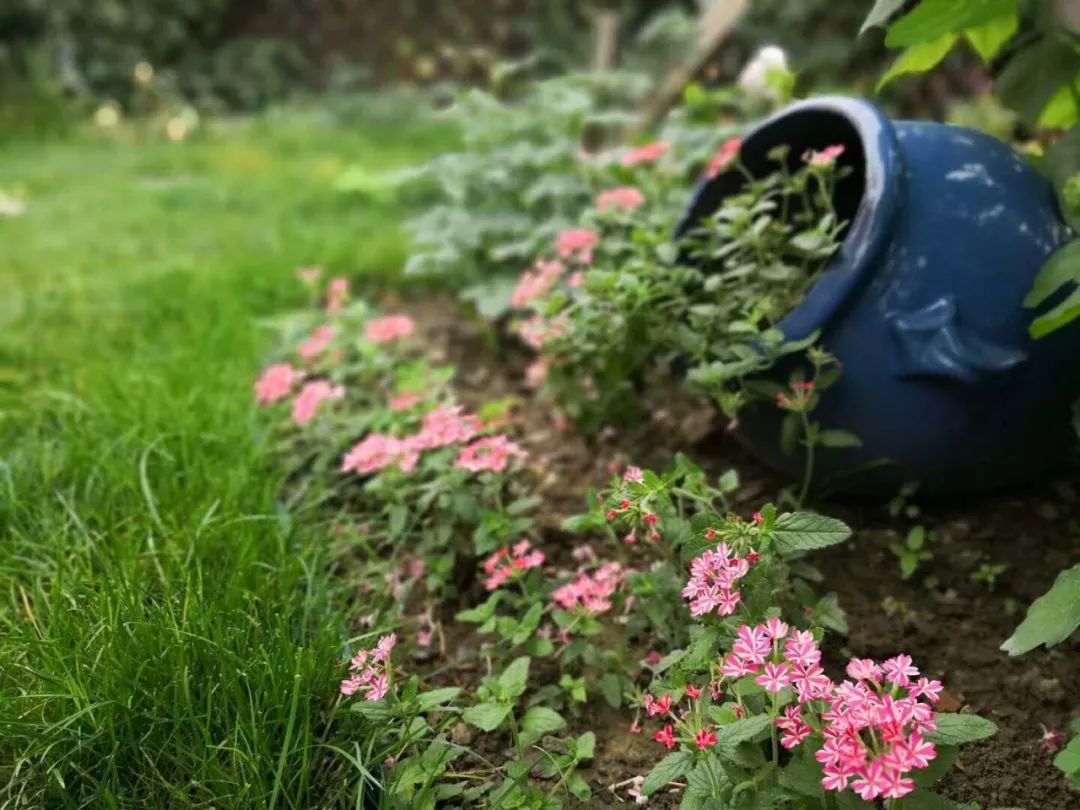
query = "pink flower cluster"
{"x": 376, "y": 451}
{"x": 798, "y": 399}
{"x": 591, "y": 591}
{"x": 276, "y": 382}
{"x": 577, "y": 243}
{"x": 624, "y": 198}
{"x": 312, "y": 395}
{"x": 489, "y": 453}
{"x": 824, "y": 157}
{"x": 713, "y": 577}
{"x": 536, "y": 282}
{"x": 508, "y": 563}
{"x": 317, "y": 343}
{"x": 647, "y": 153}
{"x": 875, "y": 728}
{"x": 389, "y": 327}
{"x": 537, "y": 330}
{"x": 370, "y": 670}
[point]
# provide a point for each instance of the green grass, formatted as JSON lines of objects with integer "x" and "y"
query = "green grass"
{"x": 169, "y": 636}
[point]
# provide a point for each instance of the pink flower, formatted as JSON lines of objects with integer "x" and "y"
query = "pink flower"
{"x": 311, "y": 396}
{"x": 647, "y": 153}
{"x": 872, "y": 782}
{"x": 774, "y": 677}
{"x": 824, "y": 157}
{"x": 379, "y": 685}
{"x": 389, "y": 327}
{"x": 751, "y": 643}
{"x": 382, "y": 650}
{"x": 509, "y": 563}
{"x": 575, "y": 279}
{"x": 654, "y": 706}
{"x": 704, "y": 739}
{"x": 317, "y": 343}
{"x": 377, "y": 451}
{"x": 537, "y": 330}
{"x": 1051, "y": 739}
{"x": 336, "y": 293}
{"x": 625, "y": 198}
{"x": 591, "y": 591}
{"x": 899, "y": 670}
{"x": 692, "y": 691}
{"x": 665, "y": 736}
{"x": 444, "y": 426}
{"x": 489, "y": 453}
{"x": 369, "y": 671}
{"x": 308, "y": 275}
{"x": 634, "y": 475}
{"x": 351, "y": 685}
{"x": 536, "y": 283}
{"x": 863, "y": 669}
{"x": 776, "y": 629}
{"x": 727, "y": 152}
{"x": 536, "y": 372}
{"x": 713, "y": 577}
{"x": 577, "y": 243}
{"x": 276, "y": 383}
{"x": 402, "y": 402}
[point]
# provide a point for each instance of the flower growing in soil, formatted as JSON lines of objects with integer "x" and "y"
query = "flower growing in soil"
{"x": 510, "y": 563}
{"x": 536, "y": 282}
{"x": 276, "y": 382}
{"x": 647, "y": 153}
{"x": 313, "y": 394}
{"x": 591, "y": 591}
{"x": 370, "y": 670}
{"x": 377, "y": 451}
{"x": 389, "y": 327}
{"x": 713, "y": 577}
{"x": 317, "y": 343}
{"x": 624, "y": 198}
{"x": 577, "y": 244}
{"x": 489, "y": 453}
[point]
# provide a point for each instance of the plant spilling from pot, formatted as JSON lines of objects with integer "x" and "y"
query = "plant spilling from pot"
{"x": 620, "y": 298}
{"x": 501, "y": 703}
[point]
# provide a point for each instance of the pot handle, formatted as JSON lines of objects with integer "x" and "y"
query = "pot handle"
{"x": 932, "y": 344}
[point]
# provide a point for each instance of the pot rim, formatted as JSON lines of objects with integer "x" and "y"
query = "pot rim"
{"x": 869, "y": 229}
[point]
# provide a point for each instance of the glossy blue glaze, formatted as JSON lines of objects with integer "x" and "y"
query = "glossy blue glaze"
{"x": 922, "y": 305}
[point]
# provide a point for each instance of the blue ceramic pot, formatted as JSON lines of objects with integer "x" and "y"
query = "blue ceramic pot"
{"x": 923, "y": 305}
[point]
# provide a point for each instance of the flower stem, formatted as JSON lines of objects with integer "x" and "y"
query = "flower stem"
{"x": 808, "y": 470}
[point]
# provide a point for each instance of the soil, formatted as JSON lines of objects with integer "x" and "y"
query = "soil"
{"x": 952, "y": 625}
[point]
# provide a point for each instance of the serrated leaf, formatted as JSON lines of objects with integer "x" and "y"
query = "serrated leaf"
{"x": 515, "y": 676}
{"x": 987, "y": 39}
{"x": 804, "y": 531}
{"x": 538, "y": 721}
{"x": 674, "y": 766}
{"x": 957, "y": 729}
{"x": 1051, "y": 618}
{"x": 437, "y": 697}
{"x": 932, "y": 19}
{"x": 919, "y": 58}
{"x": 748, "y": 730}
{"x": 486, "y": 716}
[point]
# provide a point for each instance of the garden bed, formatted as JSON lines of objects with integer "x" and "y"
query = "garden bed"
{"x": 952, "y": 627}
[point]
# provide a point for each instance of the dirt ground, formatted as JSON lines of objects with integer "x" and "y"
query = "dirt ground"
{"x": 952, "y": 625}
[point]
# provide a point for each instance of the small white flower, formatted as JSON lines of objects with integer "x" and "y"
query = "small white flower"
{"x": 756, "y": 78}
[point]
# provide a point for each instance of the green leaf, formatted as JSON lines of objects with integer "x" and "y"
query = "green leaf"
{"x": 838, "y": 438}
{"x": 880, "y": 14}
{"x": 515, "y": 676}
{"x": 578, "y": 787}
{"x": 925, "y": 800}
{"x": 932, "y": 19}
{"x": 1064, "y": 313}
{"x": 957, "y": 729}
{"x": 538, "y": 721}
{"x": 585, "y": 746}
{"x": 803, "y": 531}
{"x": 919, "y": 58}
{"x": 674, "y": 766}
{"x": 1061, "y": 268}
{"x": 1068, "y": 758}
{"x": 437, "y": 697}
{"x": 802, "y": 775}
{"x": 611, "y": 689}
{"x": 941, "y": 765}
{"x": 1035, "y": 74}
{"x": 484, "y": 611}
{"x": 486, "y": 716}
{"x": 987, "y": 39}
{"x": 749, "y": 730}
{"x": 1061, "y": 111}
{"x": 528, "y": 624}
{"x": 1051, "y": 618}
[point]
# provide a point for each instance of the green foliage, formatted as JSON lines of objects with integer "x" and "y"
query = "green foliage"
{"x": 1068, "y": 758}
{"x": 1051, "y": 618}
{"x": 960, "y": 729}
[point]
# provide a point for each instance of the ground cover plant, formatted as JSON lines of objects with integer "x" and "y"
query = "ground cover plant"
{"x": 283, "y": 527}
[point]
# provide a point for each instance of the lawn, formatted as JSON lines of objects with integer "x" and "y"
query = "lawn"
{"x": 169, "y": 635}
